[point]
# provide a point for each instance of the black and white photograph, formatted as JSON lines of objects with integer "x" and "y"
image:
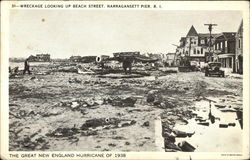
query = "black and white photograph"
{"x": 126, "y": 80}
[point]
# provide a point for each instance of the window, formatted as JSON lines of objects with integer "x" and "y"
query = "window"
{"x": 220, "y": 45}
{"x": 194, "y": 51}
{"x": 201, "y": 50}
{"x": 194, "y": 42}
{"x": 198, "y": 51}
{"x": 225, "y": 43}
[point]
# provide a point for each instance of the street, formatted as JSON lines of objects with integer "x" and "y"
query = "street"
{"x": 69, "y": 111}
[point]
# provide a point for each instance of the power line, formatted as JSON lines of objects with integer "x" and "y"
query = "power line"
{"x": 210, "y": 28}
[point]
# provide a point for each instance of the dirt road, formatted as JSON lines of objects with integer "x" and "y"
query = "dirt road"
{"x": 69, "y": 111}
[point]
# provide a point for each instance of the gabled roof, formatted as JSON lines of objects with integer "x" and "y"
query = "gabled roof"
{"x": 240, "y": 27}
{"x": 192, "y": 32}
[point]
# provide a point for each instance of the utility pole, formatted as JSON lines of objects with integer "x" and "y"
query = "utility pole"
{"x": 175, "y": 52}
{"x": 189, "y": 51}
{"x": 210, "y": 28}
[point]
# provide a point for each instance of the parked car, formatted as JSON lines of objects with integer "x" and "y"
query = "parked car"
{"x": 214, "y": 68}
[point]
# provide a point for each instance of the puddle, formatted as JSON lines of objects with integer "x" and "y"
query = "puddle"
{"x": 212, "y": 138}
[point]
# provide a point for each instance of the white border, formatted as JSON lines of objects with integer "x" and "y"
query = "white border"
{"x": 166, "y": 5}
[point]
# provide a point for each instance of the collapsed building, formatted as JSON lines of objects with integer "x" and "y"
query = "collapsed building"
{"x": 39, "y": 58}
{"x": 84, "y": 59}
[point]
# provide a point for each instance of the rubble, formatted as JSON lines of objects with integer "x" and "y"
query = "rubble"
{"x": 146, "y": 124}
{"x": 70, "y": 96}
{"x": 223, "y": 125}
{"x": 151, "y": 96}
{"x": 29, "y": 142}
{"x": 74, "y": 80}
{"x": 63, "y": 132}
{"x": 186, "y": 147}
{"x": 72, "y": 69}
{"x": 127, "y": 143}
{"x": 88, "y": 133}
{"x": 231, "y": 124}
{"x": 239, "y": 115}
{"x": 168, "y": 137}
{"x": 119, "y": 76}
{"x": 155, "y": 97}
{"x": 204, "y": 123}
{"x": 112, "y": 144}
{"x": 220, "y": 106}
{"x": 169, "y": 145}
{"x": 84, "y": 70}
{"x": 93, "y": 123}
{"x": 228, "y": 110}
{"x": 121, "y": 102}
{"x": 80, "y": 104}
{"x": 107, "y": 123}
{"x": 182, "y": 134}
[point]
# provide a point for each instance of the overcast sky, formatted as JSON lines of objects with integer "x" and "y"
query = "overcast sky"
{"x": 94, "y": 32}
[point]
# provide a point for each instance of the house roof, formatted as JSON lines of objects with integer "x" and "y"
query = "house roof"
{"x": 240, "y": 27}
{"x": 192, "y": 32}
{"x": 203, "y": 35}
{"x": 229, "y": 35}
{"x": 182, "y": 39}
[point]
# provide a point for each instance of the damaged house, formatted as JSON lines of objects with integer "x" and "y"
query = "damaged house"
{"x": 40, "y": 58}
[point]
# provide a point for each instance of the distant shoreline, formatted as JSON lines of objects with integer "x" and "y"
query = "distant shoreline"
{"x": 22, "y": 60}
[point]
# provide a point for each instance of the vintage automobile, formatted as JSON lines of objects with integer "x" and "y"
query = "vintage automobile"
{"x": 213, "y": 68}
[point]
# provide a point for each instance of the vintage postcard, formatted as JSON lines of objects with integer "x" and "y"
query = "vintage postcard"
{"x": 124, "y": 80}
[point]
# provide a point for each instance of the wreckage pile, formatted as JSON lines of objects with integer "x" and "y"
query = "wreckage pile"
{"x": 73, "y": 105}
{"x": 169, "y": 120}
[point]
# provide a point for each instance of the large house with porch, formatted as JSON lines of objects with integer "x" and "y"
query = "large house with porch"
{"x": 239, "y": 49}
{"x": 224, "y": 50}
{"x": 195, "y": 47}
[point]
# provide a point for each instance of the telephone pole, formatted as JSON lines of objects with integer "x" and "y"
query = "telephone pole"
{"x": 210, "y": 28}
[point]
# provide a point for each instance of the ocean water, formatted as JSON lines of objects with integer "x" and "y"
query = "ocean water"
{"x": 21, "y": 64}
